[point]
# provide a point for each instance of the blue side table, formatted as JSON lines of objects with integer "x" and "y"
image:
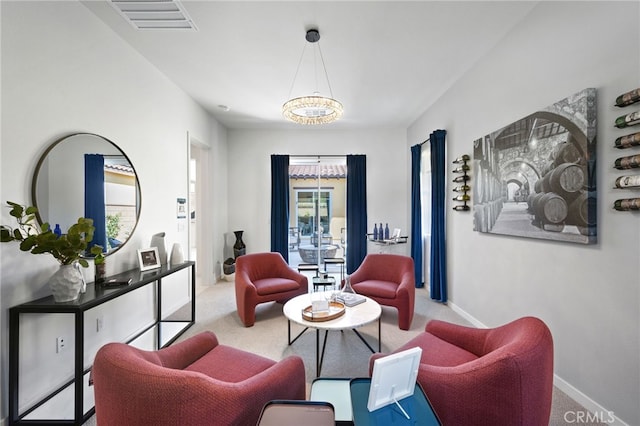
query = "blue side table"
{"x": 417, "y": 406}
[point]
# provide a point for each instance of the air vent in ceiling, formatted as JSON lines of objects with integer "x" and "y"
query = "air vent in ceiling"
{"x": 155, "y": 14}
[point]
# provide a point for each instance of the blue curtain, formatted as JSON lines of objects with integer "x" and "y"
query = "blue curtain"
{"x": 416, "y": 215}
{"x": 280, "y": 205}
{"x": 94, "y": 204}
{"x": 438, "y": 275}
{"x": 356, "y": 211}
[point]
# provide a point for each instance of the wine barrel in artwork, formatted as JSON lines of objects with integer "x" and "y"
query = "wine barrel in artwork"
{"x": 533, "y": 199}
{"x": 550, "y": 208}
{"x": 579, "y": 210}
{"x": 566, "y": 180}
{"x": 566, "y": 152}
{"x": 479, "y": 187}
{"x": 480, "y": 218}
{"x": 537, "y": 187}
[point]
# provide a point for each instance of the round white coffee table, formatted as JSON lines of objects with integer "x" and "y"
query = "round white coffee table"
{"x": 354, "y": 317}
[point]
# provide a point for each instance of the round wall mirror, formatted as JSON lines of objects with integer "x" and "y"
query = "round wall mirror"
{"x": 87, "y": 175}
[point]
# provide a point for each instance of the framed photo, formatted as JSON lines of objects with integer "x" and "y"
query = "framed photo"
{"x": 148, "y": 258}
{"x": 536, "y": 177}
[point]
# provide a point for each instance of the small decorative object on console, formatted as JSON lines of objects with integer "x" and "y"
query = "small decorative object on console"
{"x": 99, "y": 264}
{"x": 177, "y": 256}
{"x": 157, "y": 240}
{"x": 149, "y": 258}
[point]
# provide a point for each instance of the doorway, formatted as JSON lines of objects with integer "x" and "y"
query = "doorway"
{"x": 199, "y": 204}
{"x": 317, "y": 210}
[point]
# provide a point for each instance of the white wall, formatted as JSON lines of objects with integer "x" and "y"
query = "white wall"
{"x": 64, "y": 71}
{"x": 218, "y": 195}
{"x": 588, "y": 295}
{"x": 250, "y": 174}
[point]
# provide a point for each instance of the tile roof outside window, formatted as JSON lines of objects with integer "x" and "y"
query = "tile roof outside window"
{"x": 327, "y": 171}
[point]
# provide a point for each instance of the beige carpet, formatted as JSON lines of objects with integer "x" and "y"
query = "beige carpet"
{"x": 346, "y": 355}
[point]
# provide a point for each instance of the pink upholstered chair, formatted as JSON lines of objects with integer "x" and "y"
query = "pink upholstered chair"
{"x": 477, "y": 377}
{"x": 264, "y": 277}
{"x": 194, "y": 382}
{"x": 389, "y": 280}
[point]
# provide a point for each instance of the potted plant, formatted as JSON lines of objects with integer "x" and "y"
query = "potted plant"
{"x": 99, "y": 262}
{"x": 67, "y": 249}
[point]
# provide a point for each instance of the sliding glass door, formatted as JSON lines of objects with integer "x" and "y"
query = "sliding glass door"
{"x": 317, "y": 209}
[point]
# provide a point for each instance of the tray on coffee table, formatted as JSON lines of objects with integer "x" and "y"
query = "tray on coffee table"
{"x": 336, "y": 309}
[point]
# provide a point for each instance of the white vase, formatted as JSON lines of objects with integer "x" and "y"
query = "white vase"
{"x": 67, "y": 283}
{"x": 157, "y": 240}
{"x": 177, "y": 256}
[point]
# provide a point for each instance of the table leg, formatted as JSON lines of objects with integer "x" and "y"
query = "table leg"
{"x": 379, "y": 335}
{"x": 324, "y": 345}
{"x": 367, "y": 343}
{"x": 317, "y": 352}
{"x": 289, "y": 333}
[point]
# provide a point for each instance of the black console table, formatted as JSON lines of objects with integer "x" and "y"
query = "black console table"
{"x": 94, "y": 296}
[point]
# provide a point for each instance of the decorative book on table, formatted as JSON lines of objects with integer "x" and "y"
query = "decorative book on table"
{"x": 351, "y": 299}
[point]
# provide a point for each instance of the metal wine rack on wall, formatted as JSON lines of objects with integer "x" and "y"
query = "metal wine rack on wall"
{"x": 628, "y": 141}
{"x": 462, "y": 178}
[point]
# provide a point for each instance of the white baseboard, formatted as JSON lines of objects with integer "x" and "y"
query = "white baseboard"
{"x": 600, "y": 413}
{"x": 464, "y": 314}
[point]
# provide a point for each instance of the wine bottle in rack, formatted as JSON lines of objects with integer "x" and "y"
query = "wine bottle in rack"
{"x": 627, "y": 204}
{"x": 462, "y": 188}
{"x": 462, "y": 159}
{"x": 628, "y": 120}
{"x": 628, "y": 98}
{"x": 628, "y": 141}
{"x": 462, "y": 178}
{"x": 630, "y": 162}
{"x": 463, "y": 197}
{"x": 462, "y": 207}
{"x": 628, "y": 182}
{"x": 462, "y": 169}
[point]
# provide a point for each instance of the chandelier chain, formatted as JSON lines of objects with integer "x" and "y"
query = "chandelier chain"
{"x": 295, "y": 76}
{"x": 326, "y": 75}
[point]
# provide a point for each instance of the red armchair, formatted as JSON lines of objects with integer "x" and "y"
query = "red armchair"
{"x": 194, "y": 382}
{"x": 389, "y": 280}
{"x": 264, "y": 277}
{"x": 477, "y": 377}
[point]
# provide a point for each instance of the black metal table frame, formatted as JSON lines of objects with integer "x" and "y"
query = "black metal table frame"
{"x": 320, "y": 356}
{"x": 95, "y": 296}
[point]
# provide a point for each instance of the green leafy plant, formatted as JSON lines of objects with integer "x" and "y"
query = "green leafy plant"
{"x": 66, "y": 249}
{"x": 113, "y": 225}
{"x": 98, "y": 255}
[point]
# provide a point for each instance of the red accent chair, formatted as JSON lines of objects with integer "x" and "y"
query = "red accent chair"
{"x": 194, "y": 382}
{"x": 264, "y": 277}
{"x": 389, "y": 280}
{"x": 477, "y": 377}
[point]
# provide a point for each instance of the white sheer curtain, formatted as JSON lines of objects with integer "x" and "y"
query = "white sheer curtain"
{"x": 425, "y": 197}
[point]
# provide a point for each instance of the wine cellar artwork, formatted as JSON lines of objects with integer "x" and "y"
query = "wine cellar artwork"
{"x": 462, "y": 179}
{"x": 535, "y": 178}
{"x": 629, "y": 162}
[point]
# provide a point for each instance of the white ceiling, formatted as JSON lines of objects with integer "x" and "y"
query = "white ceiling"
{"x": 387, "y": 61}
